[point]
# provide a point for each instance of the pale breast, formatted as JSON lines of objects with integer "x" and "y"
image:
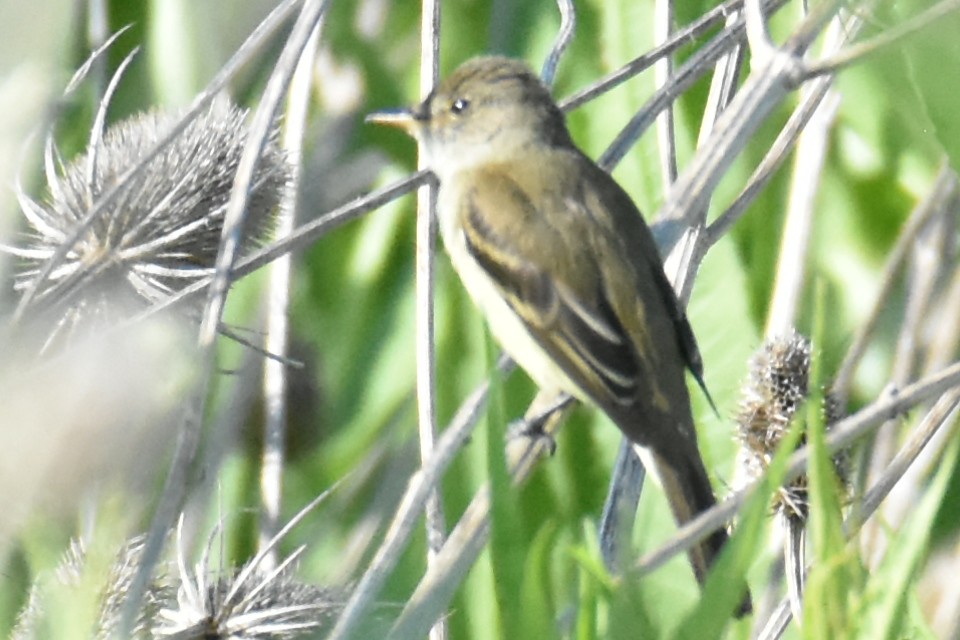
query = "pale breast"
{"x": 505, "y": 325}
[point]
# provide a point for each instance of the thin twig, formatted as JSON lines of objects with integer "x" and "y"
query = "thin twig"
{"x": 662, "y": 69}
{"x": 435, "y": 521}
{"x": 679, "y": 39}
{"x": 301, "y": 238}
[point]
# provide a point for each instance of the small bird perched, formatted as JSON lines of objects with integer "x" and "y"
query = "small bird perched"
{"x": 561, "y": 263}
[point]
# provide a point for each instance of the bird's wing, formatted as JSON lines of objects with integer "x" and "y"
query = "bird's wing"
{"x": 635, "y": 240}
{"x": 558, "y": 294}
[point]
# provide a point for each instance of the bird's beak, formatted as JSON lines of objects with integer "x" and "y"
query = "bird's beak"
{"x": 403, "y": 118}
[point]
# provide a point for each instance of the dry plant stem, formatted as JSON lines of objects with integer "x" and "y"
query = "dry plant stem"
{"x": 278, "y": 304}
{"x": 941, "y": 413}
{"x": 771, "y": 162}
{"x": 680, "y": 38}
{"x": 620, "y": 508}
{"x": 842, "y": 435}
{"x": 568, "y": 26}
{"x": 795, "y": 561}
{"x": 698, "y": 65}
{"x": 421, "y": 484}
{"x": 909, "y": 488}
{"x": 758, "y": 37}
{"x": 943, "y": 191}
{"x": 776, "y": 625}
{"x": 468, "y": 538}
{"x": 666, "y": 135}
{"x": 925, "y": 267}
{"x": 189, "y": 435}
{"x": 425, "y": 347}
{"x": 767, "y": 86}
{"x": 723, "y": 86}
{"x": 245, "y": 53}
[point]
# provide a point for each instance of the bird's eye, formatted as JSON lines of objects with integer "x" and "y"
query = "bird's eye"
{"x": 459, "y": 106}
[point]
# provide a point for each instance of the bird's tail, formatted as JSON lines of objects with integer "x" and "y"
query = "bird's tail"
{"x": 689, "y": 493}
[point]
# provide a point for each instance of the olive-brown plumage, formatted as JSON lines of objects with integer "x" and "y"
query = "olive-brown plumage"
{"x": 563, "y": 266}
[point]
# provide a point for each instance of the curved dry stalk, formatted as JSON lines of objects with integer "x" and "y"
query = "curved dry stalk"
{"x": 189, "y": 435}
{"x": 568, "y": 26}
{"x": 278, "y": 303}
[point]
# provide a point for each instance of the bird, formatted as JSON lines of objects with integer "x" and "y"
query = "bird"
{"x": 560, "y": 262}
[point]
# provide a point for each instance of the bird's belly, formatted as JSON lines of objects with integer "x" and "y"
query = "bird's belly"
{"x": 505, "y": 325}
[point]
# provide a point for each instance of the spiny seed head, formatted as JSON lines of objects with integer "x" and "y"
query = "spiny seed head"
{"x": 162, "y": 229}
{"x": 773, "y": 395}
{"x": 238, "y": 606}
{"x": 249, "y": 603}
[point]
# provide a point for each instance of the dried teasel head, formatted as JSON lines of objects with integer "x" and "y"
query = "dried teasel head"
{"x": 256, "y": 601}
{"x": 772, "y": 397}
{"x": 252, "y": 602}
{"x": 159, "y": 231}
